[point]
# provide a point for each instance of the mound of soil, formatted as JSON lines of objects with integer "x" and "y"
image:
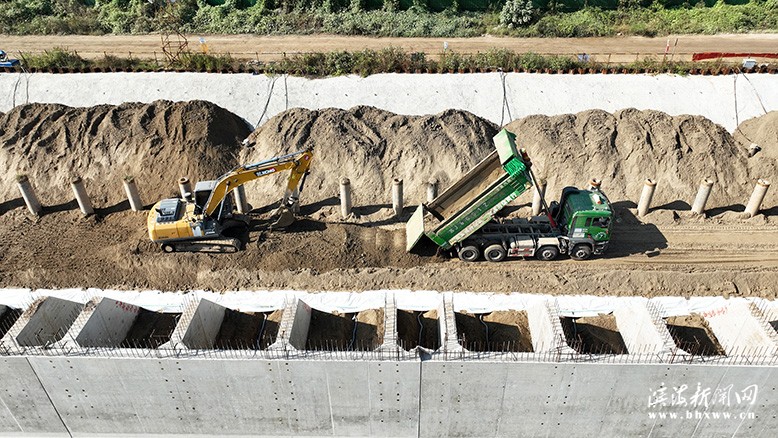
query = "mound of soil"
{"x": 159, "y": 142}
{"x": 370, "y": 147}
{"x": 370, "y": 329}
{"x": 762, "y": 131}
{"x": 156, "y": 143}
{"x": 626, "y": 147}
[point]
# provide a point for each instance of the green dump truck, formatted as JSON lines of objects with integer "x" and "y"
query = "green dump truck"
{"x": 462, "y": 218}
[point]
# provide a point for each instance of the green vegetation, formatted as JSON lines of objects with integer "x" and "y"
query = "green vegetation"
{"x": 449, "y": 18}
{"x": 365, "y": 62}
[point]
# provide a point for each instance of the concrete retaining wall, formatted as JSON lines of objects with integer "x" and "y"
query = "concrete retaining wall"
{"x": 520, "y": 399}
{"x": 86, "y": 385}
{"x": 100, "y": 396}
{"x": 727, "y": 100}
{"x": 25, "y": 408}
{"x": 105, "y": 396}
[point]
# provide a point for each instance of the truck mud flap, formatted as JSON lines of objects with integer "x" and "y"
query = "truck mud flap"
{"x": 414, "y": 229}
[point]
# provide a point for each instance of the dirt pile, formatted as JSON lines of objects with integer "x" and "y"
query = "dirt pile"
{"x": 762, "y": 131}
{"x": 626, "y": 147}
{"x": 371, "y": 147}
{"x": 157, "y": 143}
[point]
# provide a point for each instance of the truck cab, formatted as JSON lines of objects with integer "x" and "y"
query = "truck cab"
{"x": 584, "y": 217}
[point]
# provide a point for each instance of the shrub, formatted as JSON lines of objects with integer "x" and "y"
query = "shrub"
{"x": 56, "y": 57}
{"x": 516, "y": 13}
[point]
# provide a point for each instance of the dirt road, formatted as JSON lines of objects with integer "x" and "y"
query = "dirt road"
{"x": 618, "y": 49}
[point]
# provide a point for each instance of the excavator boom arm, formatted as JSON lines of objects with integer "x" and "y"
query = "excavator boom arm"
{"x": 298, "y": 162}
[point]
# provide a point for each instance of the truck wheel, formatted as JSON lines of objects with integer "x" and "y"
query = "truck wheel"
{"x": 468, "y": 253}
{"x": 168, "y": 248}
{"x": 547, "y": 253}
{"x": 581, "y": 252}
{"x": 495, "y": 253}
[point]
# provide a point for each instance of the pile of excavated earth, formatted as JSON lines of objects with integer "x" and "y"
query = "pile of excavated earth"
{"x": 158, "y": 143}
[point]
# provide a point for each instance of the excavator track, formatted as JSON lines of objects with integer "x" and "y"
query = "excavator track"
{"x": 225, "y": 245}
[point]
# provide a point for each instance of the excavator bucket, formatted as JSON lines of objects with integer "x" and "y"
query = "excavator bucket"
{"x": 282, "y": 217}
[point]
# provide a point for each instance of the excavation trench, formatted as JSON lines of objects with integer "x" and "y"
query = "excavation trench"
{"x": 692, "y": 334}
{"x": 418, "y": 329}
{"x": 360, "y": 331}
{"x": 150, "y": 329}
{"x": 593, "y": 335}
{"x": 504, "y": 330}
{"x": 248, "y": 330}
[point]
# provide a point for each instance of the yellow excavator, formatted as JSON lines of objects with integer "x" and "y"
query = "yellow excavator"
{"x": 204, "y": 221}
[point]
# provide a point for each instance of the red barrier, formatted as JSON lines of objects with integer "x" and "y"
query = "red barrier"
{"x": 716, "y": 55}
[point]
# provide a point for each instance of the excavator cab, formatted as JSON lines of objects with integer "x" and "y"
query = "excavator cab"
{"x": 202, "y": 193}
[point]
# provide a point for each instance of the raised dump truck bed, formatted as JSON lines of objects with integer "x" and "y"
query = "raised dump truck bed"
{"x": 474, "y": 199}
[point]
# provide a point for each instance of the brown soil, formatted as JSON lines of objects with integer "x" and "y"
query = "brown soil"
{"x": 594, "y": 335}
{"x": 507, "y": 330}
{"x": 409, "y": 329}
{"x": 626, "y": 147}
{"x": 64, "y": 250}
{"x": 370, "y": 147}
{"x": 248, "y": 331}
{"x": 150, "y": 329}
{"x": 7, "y": 319}
{"x": 111, "y": 249}
{"x": 692, "y": 334}
{"x": 764, "y": 132}
{"x": 157, "y": 143}
{"x": 370, "y": 329}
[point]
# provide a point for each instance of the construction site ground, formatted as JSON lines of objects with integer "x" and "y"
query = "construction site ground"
{"x": 270, "y": 48}
{"x": 111, "y": 250}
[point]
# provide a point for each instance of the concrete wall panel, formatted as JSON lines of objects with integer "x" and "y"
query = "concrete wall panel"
{"x": 556, "y": 399}
{"x": 24, "y": 407}
{"x": 203, "y": 328}
{"x": 310, "y": 398}
{"x": 301, "y": 322}
{"x": 739, "y": 332}
{"x": 105, "y": 324}
{"x": 45, "y": 322}
{"x": 638, "y": 330}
